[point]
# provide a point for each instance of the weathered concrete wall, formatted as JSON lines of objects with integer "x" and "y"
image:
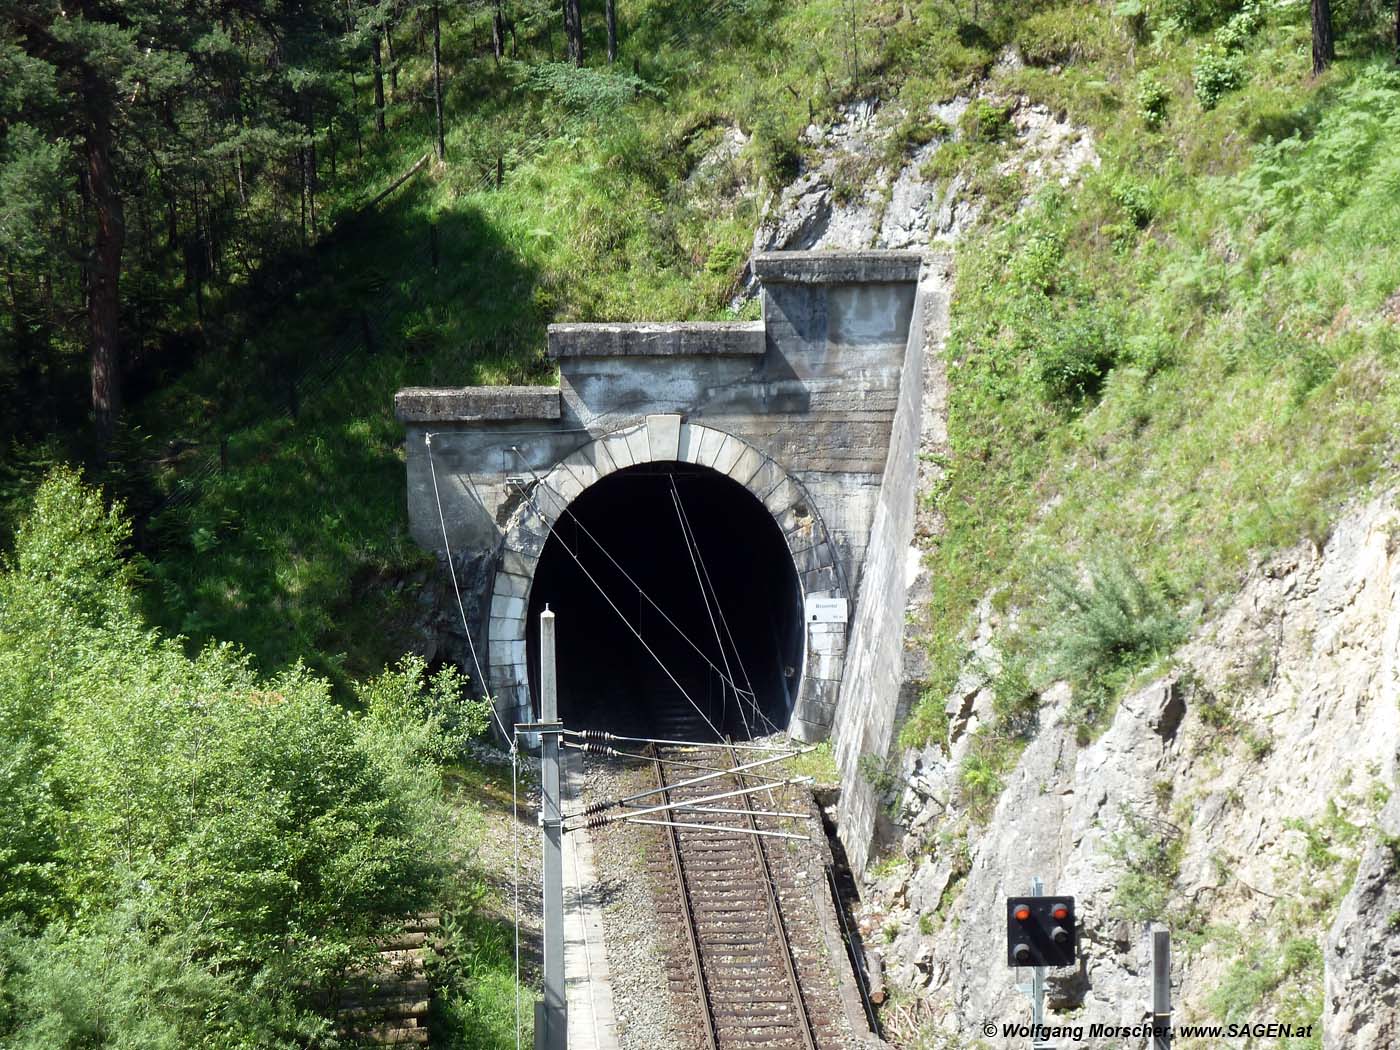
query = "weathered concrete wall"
{"x": 809, "y": 394}
{"x": 873, "y": 696}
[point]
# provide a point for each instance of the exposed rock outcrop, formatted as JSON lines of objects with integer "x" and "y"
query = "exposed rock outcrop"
{"x": 1229, "y": 799}
{"x": 850, "y": 196}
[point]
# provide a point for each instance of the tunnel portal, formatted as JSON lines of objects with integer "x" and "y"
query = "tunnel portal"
{"x": 670, "y": 581}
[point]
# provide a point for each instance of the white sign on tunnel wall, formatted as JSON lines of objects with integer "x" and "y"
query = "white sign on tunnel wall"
{"x": 826, "y": 610}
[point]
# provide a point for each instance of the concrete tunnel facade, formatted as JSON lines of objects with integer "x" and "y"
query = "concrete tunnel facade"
{"x": 797, "y": 412}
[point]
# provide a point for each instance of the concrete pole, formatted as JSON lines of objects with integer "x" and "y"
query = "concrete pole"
{"x": 552, "y": 1033}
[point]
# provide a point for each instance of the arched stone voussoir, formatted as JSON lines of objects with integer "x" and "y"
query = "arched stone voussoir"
{"x": 616, "y": 447}
{"x": 565, "y": 484}
{"x": 711, "y": 441}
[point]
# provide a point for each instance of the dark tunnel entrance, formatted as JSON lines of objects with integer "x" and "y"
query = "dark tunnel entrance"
{"x": 713, "y": 561}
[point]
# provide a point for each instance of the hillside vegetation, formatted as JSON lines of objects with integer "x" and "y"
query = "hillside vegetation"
{"x": 1156, "y": 373}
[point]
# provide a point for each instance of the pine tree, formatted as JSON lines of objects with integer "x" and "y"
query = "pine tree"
{"x": 1324, "y": 48}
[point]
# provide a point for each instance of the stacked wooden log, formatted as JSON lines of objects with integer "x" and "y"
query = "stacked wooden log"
{"x": 387, "y": 1005}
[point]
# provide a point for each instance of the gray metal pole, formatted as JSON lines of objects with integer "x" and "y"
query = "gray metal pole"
{"x": 1037, "y": 982}
{"x": 1162, "y": 988}
{"x": 554, "y": 1036}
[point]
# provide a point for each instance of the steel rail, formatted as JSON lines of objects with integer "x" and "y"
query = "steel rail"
{"x": 688, "y": 917}
{"x": 776, "y": 916}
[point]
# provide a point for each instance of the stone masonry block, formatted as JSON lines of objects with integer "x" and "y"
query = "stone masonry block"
{"x": 768, "y": 478}
{"x": 825, "y": 665}
{"x": 564, "y": 483}
{"x": 782, "y": 498}
{"x": 728, "y": 454}
{"x": 664, "y": 436}
{"x": 597, "y": 454}
{"x": 504, "y": 652}
{"x": 710, "y": 445}
{"x": 821, "y": 583}
{"x": 809, "y": 558}
{"x": 476, "y": 404}
{"x": 637, "y": 444}
{"x": 580, "y": 467}
{"x": 507, "y": 606}
{"x": 746, "y": 465}
{"x": 616, "y": 448}
{"x": 519, "y": 563}
{"x": 507, "y": 628}
{"x": 510, "y": 585}
{"x": 691, "y": 436}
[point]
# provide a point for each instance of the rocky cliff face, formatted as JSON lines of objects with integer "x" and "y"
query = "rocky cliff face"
{"x": 1238, "y": 799}
{"x": 855, "y": 191}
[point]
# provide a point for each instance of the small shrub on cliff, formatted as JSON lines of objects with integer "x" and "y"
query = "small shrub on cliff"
{"x": 1217, "y": 73}
{"x": 1152, "y": 98}
{"x": 1150, "y": 852}
{"x": 1104, "y": 628}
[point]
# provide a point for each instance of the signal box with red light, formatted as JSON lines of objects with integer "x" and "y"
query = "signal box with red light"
{"x": 1040, "y": 931}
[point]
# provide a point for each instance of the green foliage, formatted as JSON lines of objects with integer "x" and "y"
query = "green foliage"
{"x": 982, "y": 775}
{"x": 1136, "y": 200}
{"x": 928, "y": 721}
{"x": 265, "y": 832}
{"x": 986, "y": 121}
{"x": 1289, "y": 973}
{"x": 881, "y": 775}
{"x": 1235, "y": 34}
{"x": 1102, "y": 629}
{"x": 435, "y": 708}
{"x": 1150, "y": 852}
{"x": 819, "y": 764}
{"x": 120, "y": 981}
{"x": 1076, "y": 349}
{"x": 1217, "y": 73}
{"x": 1151, "y": 98}
{"x": 594, "y": 92}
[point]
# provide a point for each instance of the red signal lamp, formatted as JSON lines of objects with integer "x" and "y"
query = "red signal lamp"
{"x": 1022, "y": 913}
{"x": 1060, "y": 913}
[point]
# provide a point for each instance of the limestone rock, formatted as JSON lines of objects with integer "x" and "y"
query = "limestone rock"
{"x": 1362, "y": 1006}
{"x": 1305, "y": 664}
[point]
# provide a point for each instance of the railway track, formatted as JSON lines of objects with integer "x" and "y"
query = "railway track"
{"x": 738, "y": 976}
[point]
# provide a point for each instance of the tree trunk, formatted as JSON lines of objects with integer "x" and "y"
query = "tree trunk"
{"x": 393, "y": 62}
{"x": 573, "y": 31}
{"x": 1323, "y": 47}
{"x": 437, "y": 83}
{"x": 610, "y": 13}
{"x": 310, "y": 173}
{"x": 104, "y": 305}
{"x": 1397, "y": 30}
{"x": 378, "y": 85}
{"x": 498, "y": 32}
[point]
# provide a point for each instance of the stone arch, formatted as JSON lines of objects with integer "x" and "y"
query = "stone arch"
{"x": 667, "y": 438}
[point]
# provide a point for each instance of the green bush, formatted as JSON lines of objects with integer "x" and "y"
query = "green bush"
{"x": 1216, "y": 74}
{"x": 1150, "y": 853}
{"x": 1192, "y": 15}
{"x": 1236, "y": 33}
{"x": 986, "y": 121}
{"x": 1151, "y": 98}
{"x": 1101, "y": 630}
{"x": 435, "y": 709}
{"x": 1075, "y": 349}
{"x": 774, "y": 151}
{"x": 120, "y": 981}
{"x": 1136, "y": 200}
{"x": 259, "y": 831}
